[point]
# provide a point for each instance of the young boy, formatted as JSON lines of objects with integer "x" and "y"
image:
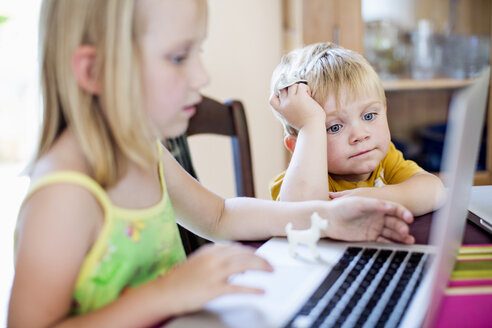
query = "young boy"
{"x": 333, "y": 108}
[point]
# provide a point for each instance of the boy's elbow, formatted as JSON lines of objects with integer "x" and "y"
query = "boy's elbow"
{"x": 431, "y": 194}
{"x": 440, "y": 194}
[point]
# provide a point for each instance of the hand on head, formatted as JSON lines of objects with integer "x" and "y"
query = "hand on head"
{"x": 296, "y": 105}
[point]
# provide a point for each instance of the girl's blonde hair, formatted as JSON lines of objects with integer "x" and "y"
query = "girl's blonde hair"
{"x": 121, "y": 129}
{"x": 328, "y": 69}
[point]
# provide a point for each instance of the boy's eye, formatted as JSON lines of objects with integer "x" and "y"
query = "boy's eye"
{"x": 334, "y": 128}
{"x": 369, "y": 116}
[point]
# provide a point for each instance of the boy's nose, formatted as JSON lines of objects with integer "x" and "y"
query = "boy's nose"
{"x": 359, "y": 135}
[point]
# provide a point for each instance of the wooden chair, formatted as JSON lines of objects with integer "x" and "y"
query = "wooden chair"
{"x": 227, "y": 119}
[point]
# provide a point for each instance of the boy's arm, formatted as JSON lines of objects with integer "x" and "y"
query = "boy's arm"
{"x": 422, "y": 193}
{"x": 306, "y": 177}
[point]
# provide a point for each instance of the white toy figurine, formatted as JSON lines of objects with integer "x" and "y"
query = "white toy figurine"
{"x": 307, "y": 237}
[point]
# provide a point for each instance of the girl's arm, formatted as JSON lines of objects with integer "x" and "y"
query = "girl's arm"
{"x": 421, "y": 193}
{"x": 255, "y": 219}
{"x": 58, "y": 226}
{"x": 306, "y": 177}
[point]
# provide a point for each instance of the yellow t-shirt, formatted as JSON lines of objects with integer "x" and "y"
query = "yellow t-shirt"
{"x": 393, "y": 169}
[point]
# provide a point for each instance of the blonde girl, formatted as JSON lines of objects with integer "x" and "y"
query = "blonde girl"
{"x": 97, "y": 243}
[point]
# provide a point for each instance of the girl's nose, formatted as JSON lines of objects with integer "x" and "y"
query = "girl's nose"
{"x": 200, "y": 77}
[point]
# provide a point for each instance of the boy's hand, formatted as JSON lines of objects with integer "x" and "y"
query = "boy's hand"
{"x": 297, "y": 106}
{"x": 368, "y": 219}
{"x": 205, "y": 275}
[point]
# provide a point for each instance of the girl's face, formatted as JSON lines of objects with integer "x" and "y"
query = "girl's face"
{"x": 172, "y": 69}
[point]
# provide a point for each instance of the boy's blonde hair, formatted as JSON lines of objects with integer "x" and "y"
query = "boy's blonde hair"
{"x": 328, "y": 69}
{"x": 121, "y": 129}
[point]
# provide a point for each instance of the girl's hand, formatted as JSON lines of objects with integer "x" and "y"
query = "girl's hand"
{"x": 205, "y": 276}
{"x": 297, "y": 106}
{"x": 367, "y": 219}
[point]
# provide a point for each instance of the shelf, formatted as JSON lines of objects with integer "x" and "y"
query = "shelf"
{"x": 482, "y": 178}
{"x": 411, "y": 84}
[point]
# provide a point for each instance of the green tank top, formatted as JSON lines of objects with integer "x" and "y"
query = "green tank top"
{"x": 134, "y": 246}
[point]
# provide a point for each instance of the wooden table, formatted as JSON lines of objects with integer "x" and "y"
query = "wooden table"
{"x": 420, "y": 229}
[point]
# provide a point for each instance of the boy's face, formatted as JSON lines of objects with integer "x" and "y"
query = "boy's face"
{"x": 172, "y": 69}
{"x": 358, "y": 136}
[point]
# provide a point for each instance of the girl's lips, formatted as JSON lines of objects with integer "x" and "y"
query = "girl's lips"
{"x": 191, "y": 110}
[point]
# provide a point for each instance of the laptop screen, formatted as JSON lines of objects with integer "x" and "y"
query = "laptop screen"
{"x": 465, "y": 122}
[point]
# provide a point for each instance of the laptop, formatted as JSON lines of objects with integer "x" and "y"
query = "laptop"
{"x": 364, "y": 284}
{"x": 480, "y": 207}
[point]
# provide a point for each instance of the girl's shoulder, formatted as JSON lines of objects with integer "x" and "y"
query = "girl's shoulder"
{"x": 61, "y": 190}
{"x": 63, "y": 186}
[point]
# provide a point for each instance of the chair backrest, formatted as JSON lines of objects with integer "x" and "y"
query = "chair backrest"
{"x": 227, "y": 119}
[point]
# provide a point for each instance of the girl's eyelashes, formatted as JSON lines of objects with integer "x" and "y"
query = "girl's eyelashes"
{"x": 178, "y": 59}
{"x": 182, "y": 56}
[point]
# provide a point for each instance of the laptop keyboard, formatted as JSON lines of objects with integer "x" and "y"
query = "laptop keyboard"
{"x": 367, "y": 288}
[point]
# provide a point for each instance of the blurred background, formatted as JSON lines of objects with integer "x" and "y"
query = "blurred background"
{"x": 19, "y": 121}
{"x": 423, "y": 50}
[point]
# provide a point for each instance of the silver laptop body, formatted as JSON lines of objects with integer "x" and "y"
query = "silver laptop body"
{"x": 480, "y": 207}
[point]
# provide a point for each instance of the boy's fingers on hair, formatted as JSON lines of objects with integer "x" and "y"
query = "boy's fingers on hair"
{"x": 303, "y": 87}
{"x": 275, "y": 101}
{"x": 292, "y": 89}
{"x": 282, "y": 93}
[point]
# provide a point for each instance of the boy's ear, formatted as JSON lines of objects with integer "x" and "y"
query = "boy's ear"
{"x": 83, "y": 66}
{"x": 290, "y": 142}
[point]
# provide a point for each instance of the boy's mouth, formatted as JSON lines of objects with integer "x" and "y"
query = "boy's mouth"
{"x": 362, "y": 153}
